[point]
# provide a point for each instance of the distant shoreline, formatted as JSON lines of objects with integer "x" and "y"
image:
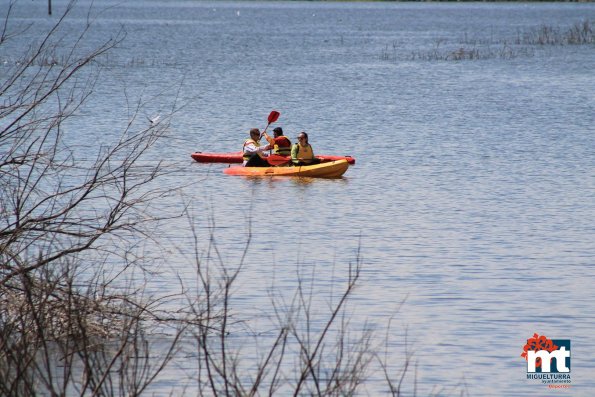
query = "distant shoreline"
{"x": 439, "y": 1}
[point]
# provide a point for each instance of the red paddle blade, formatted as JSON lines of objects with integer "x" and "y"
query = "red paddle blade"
{"x": 273, "y": 116}
{"x": 277, "y": 159}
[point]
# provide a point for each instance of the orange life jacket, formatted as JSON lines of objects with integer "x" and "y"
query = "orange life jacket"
{"x": 282, "y": 146}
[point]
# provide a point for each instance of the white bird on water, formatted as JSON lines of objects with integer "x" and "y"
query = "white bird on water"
{"x": 154, "y": 120}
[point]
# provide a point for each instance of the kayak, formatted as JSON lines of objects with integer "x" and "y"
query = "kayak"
{"x": 236, "y": 157}
{"x": 217, "y": 157}
{"x": 332, "y": 169}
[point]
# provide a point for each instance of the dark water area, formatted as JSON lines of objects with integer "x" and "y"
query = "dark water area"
{"x": 473, "y": 195}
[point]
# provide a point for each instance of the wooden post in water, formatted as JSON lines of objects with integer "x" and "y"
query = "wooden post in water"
{"x": 49, "y": 7}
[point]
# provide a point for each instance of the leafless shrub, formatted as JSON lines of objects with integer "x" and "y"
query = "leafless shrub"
{"x": 70, "y": 321}
{"x": 64, "y": 325}
{"x": 309, "y": 347}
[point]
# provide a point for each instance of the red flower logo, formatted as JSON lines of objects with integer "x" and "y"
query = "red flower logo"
{"x": 537, "y": 343}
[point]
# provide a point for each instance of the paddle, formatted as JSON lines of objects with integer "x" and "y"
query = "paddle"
{"x": 273, "y": 116}
{"x": 277, "y": 159}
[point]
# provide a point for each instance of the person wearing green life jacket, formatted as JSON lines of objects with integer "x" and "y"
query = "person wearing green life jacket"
{"x": 281, "y": 144}
{"x": 254, "y": 154}
{"x": 302, "y": 152}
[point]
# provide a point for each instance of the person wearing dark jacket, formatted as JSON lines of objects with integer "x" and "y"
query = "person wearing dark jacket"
{"x": 280, "y": 143}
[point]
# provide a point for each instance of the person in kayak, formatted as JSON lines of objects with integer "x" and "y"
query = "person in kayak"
{"x": 281, "y": 144}
{"x": 254, "y": 154}
{"x": 302, "y": 152}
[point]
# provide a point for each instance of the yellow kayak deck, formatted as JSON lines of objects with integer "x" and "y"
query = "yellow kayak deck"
{"x": 333, "y": 169}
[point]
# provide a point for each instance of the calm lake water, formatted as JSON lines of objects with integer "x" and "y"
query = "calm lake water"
{"x": 473, "y": 196}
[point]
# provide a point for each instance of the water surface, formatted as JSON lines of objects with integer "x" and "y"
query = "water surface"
{"x": 473, "y": 196}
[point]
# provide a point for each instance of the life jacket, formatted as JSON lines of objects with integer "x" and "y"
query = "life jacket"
{"x": 282, "y": 146}
{"x": 305, "y": 153}
{"x": 246, "y": 155}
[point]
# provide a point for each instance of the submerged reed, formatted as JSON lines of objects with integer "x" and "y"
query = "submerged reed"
{"x": 578, "y": 34}
{"x": 478, "y": 48}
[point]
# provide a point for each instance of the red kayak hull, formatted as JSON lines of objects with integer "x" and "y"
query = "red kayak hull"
{"x": 236, "y": 157}
{"x": 217, "y": 157}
